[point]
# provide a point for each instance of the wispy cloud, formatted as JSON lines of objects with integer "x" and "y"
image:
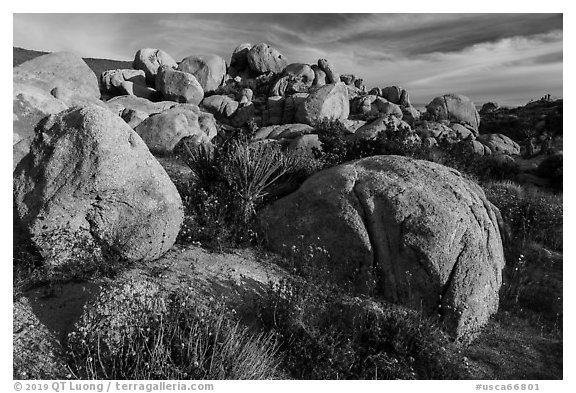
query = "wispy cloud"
{"x": 506, "y": 57}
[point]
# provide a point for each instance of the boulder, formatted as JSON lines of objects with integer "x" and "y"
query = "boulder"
{"x": 410, "y": 114}
{"x": 291, "y": 105}
{"x": 396, "y": 95}
{"x": 285, "y": 131}
{"x": 319, "y": 76}
{"x": 376, "y": 91}
{"x": 305, "y": 144}
{"x": 372, "y": 129}
{"x": 348, "y": 79}
{"x": 331, "y": 75}
{"x": 454, "y": 107}
{"x": 31, "y": 104}
{"x": 134, "y": 89}
{"x": 462, "y": 132}
{"x": 500, "y": 144}
{"x": 262, "y": 58}
{"x": 209, "y": 70}
{"x": 371, "y": 106}
{"x": 133, "y": 117}
{"x": 415, "y": 232}
{"x": 489, "y": 107}
{"x": 37, "y": 354}
{"x": 327, "y": 102}
{"x": 163, "y": 131}
{"x": 64, "y": 75}
{"x": 244, "y": 96}
{"x": 89, "y": 190}
{"x": 426, "y": 129}
{"x": 119, "y": 104}
{"x": 178, "y": 86}
{"x": 352, "y": 125}
{"x": 111, "y": 80}
{"x": 239, "y": 59}
{"x": 274, "y": 110}
{"x": 222, "y": 107}
{"x": 149, "y": 60}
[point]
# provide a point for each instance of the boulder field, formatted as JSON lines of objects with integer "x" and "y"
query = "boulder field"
{"x": 416, "y": 233}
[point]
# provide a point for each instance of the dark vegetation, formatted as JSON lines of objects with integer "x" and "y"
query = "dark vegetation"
{"x": 308, "y": 328}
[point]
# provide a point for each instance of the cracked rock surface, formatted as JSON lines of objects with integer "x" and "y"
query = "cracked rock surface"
{"x": 414, "y": 232}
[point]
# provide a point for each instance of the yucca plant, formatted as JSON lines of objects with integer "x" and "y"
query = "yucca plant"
{"x": 250, "y": 169}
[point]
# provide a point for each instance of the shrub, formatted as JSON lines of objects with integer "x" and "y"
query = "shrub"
{"x": 551, "y": 168}
{"x": 324, "y": 336}
{"x": 144, "y": 334}
{"x": 532, "y": 215}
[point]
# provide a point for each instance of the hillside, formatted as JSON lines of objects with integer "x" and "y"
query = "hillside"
{"x": 20, "y": 55}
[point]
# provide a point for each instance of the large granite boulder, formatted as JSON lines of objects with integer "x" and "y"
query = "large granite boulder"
{"x": 149, "y": 60}
{"x": 163, "y": 131}
{"x": 90, "y": 190}
{"x": 209, "y": 70}
{"x": 327, "y": 102}
{"x": 415, "y": 232}
{"x": 179, "y": 86}
{"x": 396, "y": 95}
{"x": 455, "y": 108}
{"x": 65, "y": 75}
{"x": 500, "y": 144}
{"x": 263, "y": 58}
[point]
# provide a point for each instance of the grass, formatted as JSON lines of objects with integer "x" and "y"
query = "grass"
{"x": 141, "y": 333}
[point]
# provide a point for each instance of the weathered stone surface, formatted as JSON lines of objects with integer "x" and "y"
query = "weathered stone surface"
{"x": 454, "y": 107}
{"x": 371, "y": 106}
{"x": 288, "y": 131}
{"x": 462, "y": 132}
{"x": 396, "y": 95}
{"x": 179, "y": 86}
{"x": 149, "y": 60}
{"x": 291, "y": 105}
{"x": 414, "y": 231}
{"x": 20, "y": 150}
{"x": 119, "y": 104}
{"x": 327, "y": 102}
{"x": 163, "y": 131}
{"x": 331, "y": 75}
{"x": 111, "y": 80}
{"x": 133, "y": 117}
{"x": 239, "y": 59}
{"x": 30, "y": 105}
{"x": 263, "y": 58}
{"x": 37, "y": 352}
{"x": 222, "y": 107}
{"x": 305, "y": 144}
{"x": 319, "y": 76}
{"x": 372, "y": 129}
{"x": 133, "y": 89}
{"x": 90, "y": 187}
{"x": 62, "y": 71}
{"x": 426, "y": 129}
{"x": 500, "y": 144}
{"x": 209, "y": 70}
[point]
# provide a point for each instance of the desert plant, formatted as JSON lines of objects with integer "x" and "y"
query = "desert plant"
{"x": 168, "y": 337}
{"x": 251, "y": 169}
{"x": 323, "y": 334}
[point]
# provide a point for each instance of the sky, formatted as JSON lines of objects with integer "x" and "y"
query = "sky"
{"x": 506, "y": 58}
